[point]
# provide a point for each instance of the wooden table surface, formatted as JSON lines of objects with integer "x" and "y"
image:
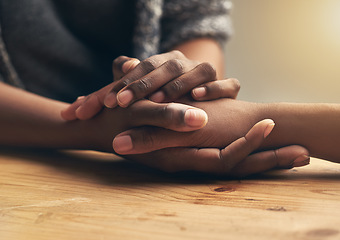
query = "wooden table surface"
{"x": 88, "y": 195}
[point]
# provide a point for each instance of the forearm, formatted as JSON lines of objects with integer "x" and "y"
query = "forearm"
{"x": 204, "y": 50}
{"x": 28, "y": 120}
{"x": 32, "y": 121}
{"x": 314, "y": 126}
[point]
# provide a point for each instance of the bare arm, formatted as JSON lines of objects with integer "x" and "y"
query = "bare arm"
{"x": 314, "y": 126}
{"x": 29, "y": 120}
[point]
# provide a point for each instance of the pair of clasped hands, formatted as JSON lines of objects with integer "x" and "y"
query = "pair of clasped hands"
{"x": 160, "y": 108}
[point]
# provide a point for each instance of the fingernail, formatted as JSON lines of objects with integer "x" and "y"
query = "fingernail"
{"x": 80, "y": 97}
{"x": 269, "y": 128}
{"x": 157, "y": 97}
{"x": 110, "y": 100}
{"x": 302, "y": 160}
{"x": 199, "y": 92}
{"x": 125, "y": 97}
{"x": 195, "y": 117}
{"x": 122, "y": 144}
{"x": 129, "y": 65}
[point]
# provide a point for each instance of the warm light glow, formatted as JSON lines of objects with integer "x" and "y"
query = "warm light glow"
{"x": 286, "y": 50}
{"x": 331, "y": 21}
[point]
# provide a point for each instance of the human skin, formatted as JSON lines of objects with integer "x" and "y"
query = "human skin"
{"x": 161, "y": 78}
{"x": 313, "y": 126}
{"x": 28, "y": 120}
{"x": 204, "y": 50}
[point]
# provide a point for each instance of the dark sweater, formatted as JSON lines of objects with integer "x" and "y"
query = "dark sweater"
{"x": 62, "y": 49}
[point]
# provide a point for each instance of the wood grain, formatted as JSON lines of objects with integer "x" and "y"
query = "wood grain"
{"x": 89, "y": 195}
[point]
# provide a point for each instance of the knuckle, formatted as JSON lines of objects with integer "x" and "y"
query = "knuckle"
{"x": 207, "y": 70}
{"x": 173, "y": 89}
{"x": 149, "y": 64}
{"x": 142, "y": 85}
{"x": 275, "y": 158}
{"x": 175, "y": 66}
{"x": 146, "y": 138}
{"x": 225, "y": 164}
{"x": 167, "y": 114}
{"x": 177, "y": 54}
{"x": 124, "y": 83}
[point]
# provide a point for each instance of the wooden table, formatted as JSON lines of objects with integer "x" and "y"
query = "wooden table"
{"x": 88, "y": 195}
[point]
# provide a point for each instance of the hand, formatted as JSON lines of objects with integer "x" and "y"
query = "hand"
{"x": 234, "y": 160}
{"x": 164, "y": 78}
{"x": 110, "y": 122}
{"x": 229, "y": 121}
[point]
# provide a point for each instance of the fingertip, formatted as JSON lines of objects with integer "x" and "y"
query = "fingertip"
{"x": 302, "y": 160}
{"x": 122, "y": 144}
{"x": 196, "y": 118}
{"x": 80, "y": 98}
{"x": 81, "y": 113}
{"x": 261, "y": 129}
{"x": 269, "y": 128}
{"x": 66, "y": 115}
{"x": 130, "y": 65}
{"x": 110, "y": 100}
{"x": 199, "y": 92}
{"x": 124, "y": 98}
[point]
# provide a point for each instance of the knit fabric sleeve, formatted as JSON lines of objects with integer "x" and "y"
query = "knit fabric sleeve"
{"x": 183, "y": 20}
{"x": 7, "y": 71}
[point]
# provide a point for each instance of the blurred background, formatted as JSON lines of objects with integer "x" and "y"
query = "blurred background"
{"x": 286, "y": 50}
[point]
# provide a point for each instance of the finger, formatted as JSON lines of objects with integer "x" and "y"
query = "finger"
{"x": 90, "y": 107}
{"x": 92, "y": 104}
{"x": 208, "y": 160}
{"x": 147, "y": 139}
{"x": 244, "y": 146}
{"x": 130, "y": 65}
{"x": 152, "y": 81}
{"x": 286, "y": 157}
{"x": 180, "y": 86}
{"x": 143, "y": 68}
{"x": 174, "y": 116}
{"x": 122, "y": 65}
{"x": 177, "y": 117}
{"x": 69, "y": 113}
{"x": 227, "y": 88}
{"x": 181, "y": 159}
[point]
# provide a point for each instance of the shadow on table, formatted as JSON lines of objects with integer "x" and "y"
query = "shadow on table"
{"x": 111, "y": 169}
{"x": 103, "y": 167}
